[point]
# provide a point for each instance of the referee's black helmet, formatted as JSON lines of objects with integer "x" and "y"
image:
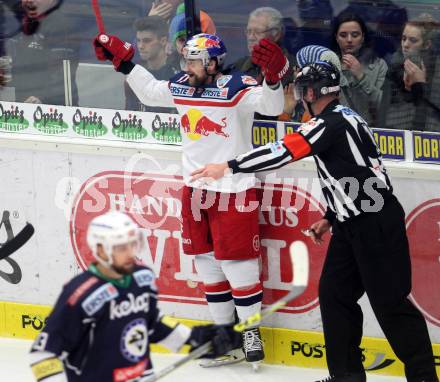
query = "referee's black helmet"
{"x": 322, "y": 76}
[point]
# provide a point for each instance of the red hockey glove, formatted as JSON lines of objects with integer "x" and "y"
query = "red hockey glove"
{"x": 269, "y": 56}
{"x": 113, "y": 49}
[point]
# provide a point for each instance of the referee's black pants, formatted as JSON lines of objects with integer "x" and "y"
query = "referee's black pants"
{"x": 370, "y": 254}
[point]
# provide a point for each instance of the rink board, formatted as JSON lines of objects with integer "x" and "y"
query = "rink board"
{"x": 59, "y": 184}
{"x": 282, "y": 346}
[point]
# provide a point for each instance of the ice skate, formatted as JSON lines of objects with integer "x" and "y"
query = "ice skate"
{"x": 253, "y": 347}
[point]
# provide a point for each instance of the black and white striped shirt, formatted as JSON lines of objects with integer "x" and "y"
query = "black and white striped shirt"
{"x": 350, "y": 169}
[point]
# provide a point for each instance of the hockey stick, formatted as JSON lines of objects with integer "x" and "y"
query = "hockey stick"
{"x": 98, "y": 16}
{"x": 300, "y": 270}
{"x": 300, "y": 277}
{"x": 17, "y": 241}
{"x": 170, "y": 368}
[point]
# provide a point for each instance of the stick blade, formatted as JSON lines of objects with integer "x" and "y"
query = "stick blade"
{"x": 17, "y": 241}
{"x": 299, "y": 256}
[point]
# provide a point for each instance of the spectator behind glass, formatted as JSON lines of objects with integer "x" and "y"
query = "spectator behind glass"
{"x": 177, "y": 33}
{"x": 37, "y": 68}
{"x": 316, "y": 16}
{"x": 164, "y": 9}
{"x": 265, "y": 22}
{"x": 363, "y": 73}
{"x": 14, "y": 20}
{"x": 411, "y": 96}
{"x": 386, "y": 20}
{"x": 151, "y": 42}
{"x": 9, "y": 9}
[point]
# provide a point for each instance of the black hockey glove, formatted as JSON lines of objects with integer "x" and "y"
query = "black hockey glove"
{"x": 223, "y": 338}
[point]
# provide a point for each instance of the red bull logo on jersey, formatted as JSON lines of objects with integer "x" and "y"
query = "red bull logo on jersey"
{"x": 195, "y": 125}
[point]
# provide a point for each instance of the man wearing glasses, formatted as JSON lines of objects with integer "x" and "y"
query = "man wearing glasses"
{"x": 264, "y": 22}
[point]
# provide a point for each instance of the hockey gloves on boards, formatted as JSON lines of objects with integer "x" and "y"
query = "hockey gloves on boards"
{"x": 269, "y": 56}
{"x": 108, "y": 47}
{"x": 223, "y": 338}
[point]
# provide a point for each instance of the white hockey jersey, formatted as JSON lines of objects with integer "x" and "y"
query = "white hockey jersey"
{"x": 215, "y": 120}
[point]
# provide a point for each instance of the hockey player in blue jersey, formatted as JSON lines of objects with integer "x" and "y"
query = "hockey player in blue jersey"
{"x": 105, "y": 319}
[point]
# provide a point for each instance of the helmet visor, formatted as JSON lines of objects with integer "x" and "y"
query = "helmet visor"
{"x": 299, "y": 91}
{"x": 134, "y": 243}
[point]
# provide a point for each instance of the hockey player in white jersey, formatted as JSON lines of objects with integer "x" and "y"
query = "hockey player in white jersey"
{"x": 216, "y": 115}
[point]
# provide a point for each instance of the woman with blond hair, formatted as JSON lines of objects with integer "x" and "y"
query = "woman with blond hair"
{"x": 411, "y": 100}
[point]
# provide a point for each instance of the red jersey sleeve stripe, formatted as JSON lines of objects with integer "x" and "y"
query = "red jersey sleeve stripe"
{"x": 298, "y": 145}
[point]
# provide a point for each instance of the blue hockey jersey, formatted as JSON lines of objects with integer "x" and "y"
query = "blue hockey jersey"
{"x": 100, "y": 330}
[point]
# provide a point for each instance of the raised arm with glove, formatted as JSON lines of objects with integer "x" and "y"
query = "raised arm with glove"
{"x": 270, "y": 57}
{"x": 112, "y": 48}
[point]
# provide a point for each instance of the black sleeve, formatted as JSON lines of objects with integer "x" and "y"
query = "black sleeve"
{"x": 163, "y": 329}
{"x": 167, "y": 332}
{"x": 126, "y": 67}
{"x": 264, "y": 158}
{"x": 64, "y": 328}
{"x": 418, "y": 91}
{"x": 330, "y": 215}
{"x": 62, "y": 334}
{"x": 312, "y": 138}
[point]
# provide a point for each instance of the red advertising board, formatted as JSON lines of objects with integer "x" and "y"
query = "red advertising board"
{"x": 423, "y": 227}
{"x": 154, "y": 202}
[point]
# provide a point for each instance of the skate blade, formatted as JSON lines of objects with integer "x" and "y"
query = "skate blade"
{"x": 221, "y": 361}
{"x": 255, "y": 365}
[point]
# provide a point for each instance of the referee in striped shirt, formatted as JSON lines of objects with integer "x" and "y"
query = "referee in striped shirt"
{"x": 368, "y": 250}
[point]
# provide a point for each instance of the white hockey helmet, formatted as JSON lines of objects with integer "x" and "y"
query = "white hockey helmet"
{"x": 111, "y": 229}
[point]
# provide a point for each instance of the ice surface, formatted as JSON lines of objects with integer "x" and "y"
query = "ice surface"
{"x": 14, "y": 367}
